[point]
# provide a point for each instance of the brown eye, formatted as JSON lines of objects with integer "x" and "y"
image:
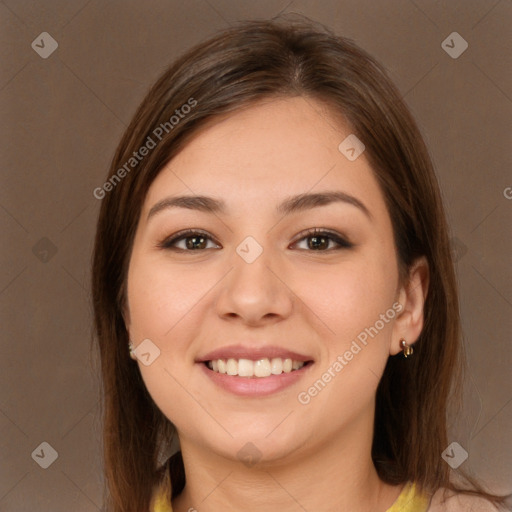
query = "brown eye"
{"x": 193, "y": 241}
{"x": 318, "y": 242}
{"x": 321, "y": 240}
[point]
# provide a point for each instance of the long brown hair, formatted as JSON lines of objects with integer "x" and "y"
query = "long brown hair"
{"x": 252, "y": 61}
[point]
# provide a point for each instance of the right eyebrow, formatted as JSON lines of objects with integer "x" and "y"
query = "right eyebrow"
{"x": 200, "y": 203}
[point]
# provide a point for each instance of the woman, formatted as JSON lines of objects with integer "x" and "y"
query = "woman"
{"x": 273, "y": 248}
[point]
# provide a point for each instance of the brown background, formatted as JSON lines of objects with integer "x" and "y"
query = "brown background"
{"x": 61, "y": 120}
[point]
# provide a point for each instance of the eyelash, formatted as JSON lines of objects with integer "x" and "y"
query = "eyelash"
{"x": 343, "y": 243}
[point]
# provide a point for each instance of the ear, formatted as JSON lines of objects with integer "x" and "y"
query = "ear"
{"x": 411, "y": 295}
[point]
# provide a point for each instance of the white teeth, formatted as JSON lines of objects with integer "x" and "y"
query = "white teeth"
{"x": 245, "y": 368}
{"x": 276, "y": 366}
{"x": 232, "y": 367}
{"x": 261, "y": 368}
{"x": 295, "y": 365}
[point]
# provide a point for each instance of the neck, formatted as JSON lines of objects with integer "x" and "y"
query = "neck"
{"x": 335, "y": 476}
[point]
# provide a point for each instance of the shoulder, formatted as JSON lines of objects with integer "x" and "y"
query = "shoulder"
{"x": 445, "y": 500}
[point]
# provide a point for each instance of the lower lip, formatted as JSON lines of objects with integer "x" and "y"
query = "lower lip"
{"x": 255, "y": 386}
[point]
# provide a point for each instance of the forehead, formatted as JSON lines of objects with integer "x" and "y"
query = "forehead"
{"x": 274, "y": 148}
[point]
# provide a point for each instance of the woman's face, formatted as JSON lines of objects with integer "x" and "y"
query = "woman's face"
{"x": 255, "y": 285}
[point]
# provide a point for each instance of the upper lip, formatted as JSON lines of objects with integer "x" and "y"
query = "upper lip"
{"x": 253, "y": 353}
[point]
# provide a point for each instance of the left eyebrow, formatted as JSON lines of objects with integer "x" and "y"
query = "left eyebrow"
{"x": 307, "y": 201}
{"x": 290, "y": 205}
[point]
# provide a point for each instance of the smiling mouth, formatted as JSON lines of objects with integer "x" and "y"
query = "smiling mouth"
{"x": 260, "y": 368}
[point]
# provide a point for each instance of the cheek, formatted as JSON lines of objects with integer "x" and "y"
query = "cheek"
{"x": 355, "y": 301}
{"x": 350, "y": 296}
{"x": 159, "y": 297}
{"x": 162, "y": 306}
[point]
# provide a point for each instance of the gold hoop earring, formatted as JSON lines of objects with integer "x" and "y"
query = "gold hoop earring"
{"x": 407, "y": 350}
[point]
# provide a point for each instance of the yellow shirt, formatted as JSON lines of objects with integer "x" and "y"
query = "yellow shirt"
{"x": 408, "y": 501}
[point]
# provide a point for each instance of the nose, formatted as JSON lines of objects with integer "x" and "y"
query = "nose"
{"x": 256, "y": 293}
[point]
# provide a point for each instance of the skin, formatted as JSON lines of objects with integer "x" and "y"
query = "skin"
{"x": 314, "y": 456}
